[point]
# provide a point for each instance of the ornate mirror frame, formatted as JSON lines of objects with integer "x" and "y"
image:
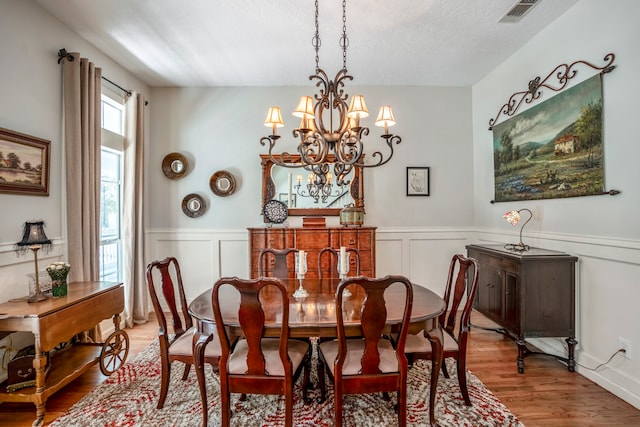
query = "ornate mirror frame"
{"x": 269, "y": 189}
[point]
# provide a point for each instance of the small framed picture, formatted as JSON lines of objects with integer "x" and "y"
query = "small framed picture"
{"x": 24, "y": 164}
{"x": 417, "y": 181}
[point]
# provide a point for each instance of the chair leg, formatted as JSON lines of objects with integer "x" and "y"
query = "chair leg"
{"x": 187, "y": 368}
{"x": 337, "y": 403}
{"x": 444, "y": 370}
{"x": 402, "y": 407}
{"x": 288, "y": 407}
{"x": 165, "y": 374}
{"x": 462, "y": 379}
{"x": 225, "y": 403}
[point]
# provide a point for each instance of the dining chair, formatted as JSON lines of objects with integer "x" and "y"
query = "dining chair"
{"x": 255, "y": 364}
{"x": 282, "y": 265}
{"x": 331, "y": 266}
{"x": 462, "y": 283}
{"x": 176, "y": 343}
{"x": 369, "y": 364}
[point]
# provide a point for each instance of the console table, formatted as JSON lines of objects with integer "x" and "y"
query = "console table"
{"x": 529, "y": 294}
{"x": 312, "y": 240}
{"x": 57, "y": 320}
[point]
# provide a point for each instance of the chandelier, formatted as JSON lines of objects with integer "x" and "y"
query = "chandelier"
{"x": 330, "y": 132}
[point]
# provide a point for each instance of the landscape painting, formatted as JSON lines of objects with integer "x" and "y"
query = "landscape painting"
{"x": 554, "y": 149}
{"x": 24, "y": 164}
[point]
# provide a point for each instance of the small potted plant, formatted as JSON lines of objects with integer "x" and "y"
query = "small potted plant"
{"x": 58, "y": 271}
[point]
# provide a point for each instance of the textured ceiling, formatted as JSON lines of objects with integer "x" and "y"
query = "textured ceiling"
{"x": 265, "y": 43}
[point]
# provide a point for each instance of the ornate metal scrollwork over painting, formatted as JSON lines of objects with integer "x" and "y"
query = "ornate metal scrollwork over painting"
{"x": 556, "y": 80}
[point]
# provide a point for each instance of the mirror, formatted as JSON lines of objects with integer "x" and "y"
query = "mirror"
{"x": 193, "y": 205}
{"x": 290, "y": 186}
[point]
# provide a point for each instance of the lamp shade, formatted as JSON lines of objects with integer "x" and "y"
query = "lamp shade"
{"x": 357, "y": 108}
{"x": 304, "y": 110}
{"x": 33, "y": 234}
{"x": 512, "y": 217}
{"x": 274, "y": 118}
{"x": 385, "y": 117}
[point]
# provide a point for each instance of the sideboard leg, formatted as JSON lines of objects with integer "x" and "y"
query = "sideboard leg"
{"x": 522, "y": 350}
{"x": 571, "y": 361}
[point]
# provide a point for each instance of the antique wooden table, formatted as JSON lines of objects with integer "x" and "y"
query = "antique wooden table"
{"x": 57, "y": 320}
{"x": 314, "y": 316}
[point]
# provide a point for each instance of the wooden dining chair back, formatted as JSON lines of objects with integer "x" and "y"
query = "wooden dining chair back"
{"x": 175, "y": 325}
{"x": 255, "y": 364}
{"x": 369, "y": 364}
{"x": 462, "y": 285}
{"x": 276, "y": 263}
{"x": 328, "y": 262}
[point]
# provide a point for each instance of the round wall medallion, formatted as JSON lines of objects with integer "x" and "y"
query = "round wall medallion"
{"x": 222, "y": 183}
{"x": 175, "y": 165}
{"x": 276, "y": 211}
{"x": 193, "y": 205}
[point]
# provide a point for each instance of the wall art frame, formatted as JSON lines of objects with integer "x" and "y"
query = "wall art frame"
{"x": 24, "y": 164}
{"x": 418, "y": 181}
{"x": 555, "y": 148}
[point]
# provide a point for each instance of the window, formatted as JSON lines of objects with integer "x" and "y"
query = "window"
{"x": 111, "y": 188}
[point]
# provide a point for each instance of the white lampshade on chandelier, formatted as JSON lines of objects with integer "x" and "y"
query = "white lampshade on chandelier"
{"x": 330, "y": 132}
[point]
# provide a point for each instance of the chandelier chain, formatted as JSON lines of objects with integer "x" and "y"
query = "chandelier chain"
{"x": 316, "y": 40}
{"x": 344, "y": 41}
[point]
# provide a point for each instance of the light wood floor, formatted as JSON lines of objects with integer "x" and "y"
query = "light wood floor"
{"x": 546, "y": 395}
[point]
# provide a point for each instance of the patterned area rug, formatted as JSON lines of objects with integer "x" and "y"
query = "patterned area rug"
{"x": 130, "y": 395}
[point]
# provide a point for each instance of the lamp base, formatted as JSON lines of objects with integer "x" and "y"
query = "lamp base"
{"x": 517, "y": 247}
{"x": 38, "y": 297}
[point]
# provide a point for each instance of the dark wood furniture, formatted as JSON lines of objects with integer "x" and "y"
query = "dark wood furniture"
{"x": 176, "y": 343}
{"x": 529, "y": 294}
{"x": 462, "y": 280}
{"x": 315, "y": 316}
{"x": 312, "y": 240}
{"x": 57, "y": 320}
{"x": 255, "y": 364}
{"x": 276, "y": 262}
{"x": 373, "y": 365}
{"x": 328, "y": 262}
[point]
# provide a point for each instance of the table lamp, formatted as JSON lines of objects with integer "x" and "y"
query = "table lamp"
{"x": 34, "y": 238}
{"x": 513, "y": 217}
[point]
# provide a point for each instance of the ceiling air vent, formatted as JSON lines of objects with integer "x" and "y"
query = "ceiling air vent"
{"x": 518, "y": 10}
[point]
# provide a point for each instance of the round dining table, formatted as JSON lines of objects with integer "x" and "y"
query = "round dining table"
{"x": 314, "y": 316}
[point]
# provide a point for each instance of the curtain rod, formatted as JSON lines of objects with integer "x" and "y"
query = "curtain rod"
{"x": 62, "y": 53}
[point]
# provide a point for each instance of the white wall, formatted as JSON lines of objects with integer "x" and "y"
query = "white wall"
{"x": 31, "y": 87}
{"x": 220, "y": 128}
{"x": 601, "y": 230}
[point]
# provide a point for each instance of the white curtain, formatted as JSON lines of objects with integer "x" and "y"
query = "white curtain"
{"x": 136, "y": 300}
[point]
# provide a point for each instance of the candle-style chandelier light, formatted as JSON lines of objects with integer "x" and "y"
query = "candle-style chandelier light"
{"x": 330, "y": 132}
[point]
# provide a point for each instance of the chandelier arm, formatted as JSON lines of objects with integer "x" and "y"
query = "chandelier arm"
{"x": 389, "y": 140}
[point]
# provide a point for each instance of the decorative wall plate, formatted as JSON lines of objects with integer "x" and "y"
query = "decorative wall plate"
{"x": 193, "y": 205}
{"x": 276, "y": 211}
{"x": 174, "y": 165}
{"x": 222, "y": 183}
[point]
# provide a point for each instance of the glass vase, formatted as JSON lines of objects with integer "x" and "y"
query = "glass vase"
{"x": 59, "y": 288}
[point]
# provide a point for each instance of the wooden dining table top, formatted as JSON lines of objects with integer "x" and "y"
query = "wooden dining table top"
{"x": 315, "y": 314}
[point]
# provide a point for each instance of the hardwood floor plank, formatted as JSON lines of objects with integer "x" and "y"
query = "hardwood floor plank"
{"x": 546, "y": 395}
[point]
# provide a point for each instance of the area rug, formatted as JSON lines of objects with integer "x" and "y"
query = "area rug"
{"x": 129, "y": 397}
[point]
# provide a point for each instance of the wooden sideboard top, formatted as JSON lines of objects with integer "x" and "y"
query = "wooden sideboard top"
{"x": 532, "y": 253}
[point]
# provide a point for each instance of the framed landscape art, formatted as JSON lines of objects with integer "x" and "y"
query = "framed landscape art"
{"x": 554, "y": 149}
{"x": 24, "y": 164}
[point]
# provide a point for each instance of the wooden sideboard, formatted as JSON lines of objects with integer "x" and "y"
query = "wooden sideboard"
{"x": 312, "y": 240}
{"x": 529, "y": 294}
